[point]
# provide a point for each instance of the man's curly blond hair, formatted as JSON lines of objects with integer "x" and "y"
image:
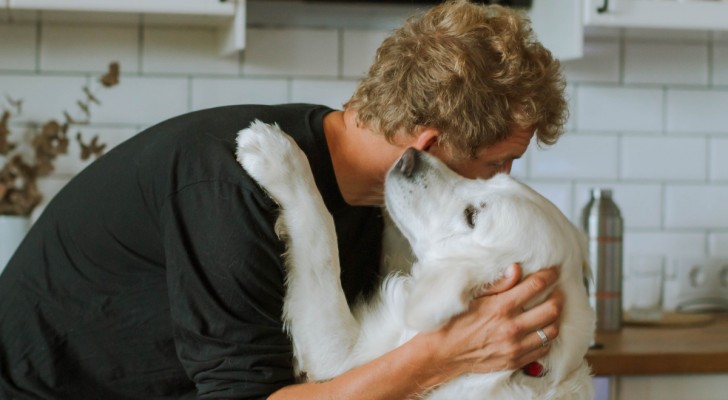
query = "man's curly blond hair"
{"x": 471, "y": 71}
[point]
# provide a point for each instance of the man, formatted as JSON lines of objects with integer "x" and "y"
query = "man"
{"x": 156, "y": 272}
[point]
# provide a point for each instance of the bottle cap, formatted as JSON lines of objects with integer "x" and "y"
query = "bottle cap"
{"x": 601, "y": 192}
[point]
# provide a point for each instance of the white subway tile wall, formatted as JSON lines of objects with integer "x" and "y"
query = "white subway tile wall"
{"x": 43, "y": 96}
{"x": 292, "y": 52}
{"x": 703, "y": 110}
{"x": 718, "y": 245}
{"x": 213, "y": 92}
{"x": 666, "y": 63}
{"x": 599, "y": 64}
{"x": 358, "y": 50}
{"x": 669, "y": 243}
{"x": 718, "y": 159}
{"x": 720, "y": 64}
{"x": 74, "y": 48}
{"x": 672, "y": 158}
{"x": 649, "y": 110}
{"x": 17, "y": 46}
{"x": 666, "y": 35}
{"x": 619, "y": 108}
{"x": 200, "y": 53}
{"x": 143, "y": 100}
{"x": 696, "y": 206}
{"x": 332, "y": 93}
{"x": 577, "y": 157}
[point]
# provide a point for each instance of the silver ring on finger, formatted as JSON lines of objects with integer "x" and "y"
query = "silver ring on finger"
{"x": 542, "y": 335}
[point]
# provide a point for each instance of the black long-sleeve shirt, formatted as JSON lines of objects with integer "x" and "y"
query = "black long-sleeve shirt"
{"x": 156, "y": 273}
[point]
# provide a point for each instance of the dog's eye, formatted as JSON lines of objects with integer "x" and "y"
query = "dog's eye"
{"x": 470, "y": 214}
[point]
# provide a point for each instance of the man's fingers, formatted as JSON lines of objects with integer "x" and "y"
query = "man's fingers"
{"x": 544, "y": 316}
{"x": 532, "y": 356}
{"x": 535, "y": 347}
{"x": 510, "y": 277}
{"x": 531, "y": 287}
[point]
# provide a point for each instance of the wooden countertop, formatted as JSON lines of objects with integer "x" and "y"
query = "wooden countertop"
{"x": 649, "y": 350}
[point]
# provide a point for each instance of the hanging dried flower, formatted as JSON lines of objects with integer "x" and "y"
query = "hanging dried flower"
{"x": 19, "y": 193}
{"x": 111, "y": 78}
{"x": 5, "y": 145}
{"x": 94, "y": 148}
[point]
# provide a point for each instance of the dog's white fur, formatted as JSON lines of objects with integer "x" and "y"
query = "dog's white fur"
{"x": 463, "y": 233}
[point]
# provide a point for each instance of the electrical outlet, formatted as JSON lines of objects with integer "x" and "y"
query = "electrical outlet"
{"x": 702, "y": 284}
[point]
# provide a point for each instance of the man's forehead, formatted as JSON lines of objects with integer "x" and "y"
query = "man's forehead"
{"x": 511, "y": 147}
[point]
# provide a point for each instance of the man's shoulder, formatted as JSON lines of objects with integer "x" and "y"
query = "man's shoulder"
{"x": 244, "y": 114}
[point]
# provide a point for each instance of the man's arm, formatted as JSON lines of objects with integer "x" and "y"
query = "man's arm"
{"x": 226, "y": 285}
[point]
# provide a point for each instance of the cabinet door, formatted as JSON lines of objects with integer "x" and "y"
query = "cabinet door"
{"x": 694, "y": 14}
{"x": 558, "y": 26}
{"x": 205, "y": 7}
{"x": 228, "y": 15}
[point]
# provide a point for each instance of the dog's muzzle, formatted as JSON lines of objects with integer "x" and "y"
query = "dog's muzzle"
{"x": 407, "y": 163}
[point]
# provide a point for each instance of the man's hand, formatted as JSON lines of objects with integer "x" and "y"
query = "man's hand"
{"x": 510, "y": 277}
{"x": 496, "y": 333}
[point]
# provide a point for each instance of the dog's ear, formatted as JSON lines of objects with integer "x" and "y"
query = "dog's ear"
{"x": 436, "y": 296}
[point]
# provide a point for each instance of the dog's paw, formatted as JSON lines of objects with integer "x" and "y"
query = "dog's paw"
{"x": 273, "y": 159}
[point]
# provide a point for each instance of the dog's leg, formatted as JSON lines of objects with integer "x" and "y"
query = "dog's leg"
{"x": 315, "y": 312}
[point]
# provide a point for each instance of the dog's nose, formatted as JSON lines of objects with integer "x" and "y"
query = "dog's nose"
{"x": 407, "y": 162}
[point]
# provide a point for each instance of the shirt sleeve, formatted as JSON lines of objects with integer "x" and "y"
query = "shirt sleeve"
{"x": 226, "y": 288}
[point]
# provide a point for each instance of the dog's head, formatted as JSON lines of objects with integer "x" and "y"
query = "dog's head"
{"x": 465, "y": 232}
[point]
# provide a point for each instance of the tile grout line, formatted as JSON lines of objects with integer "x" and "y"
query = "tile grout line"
{"x": 38, "y": 39}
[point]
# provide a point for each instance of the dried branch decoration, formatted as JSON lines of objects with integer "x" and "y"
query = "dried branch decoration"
{"x": 19, "y": 193}
{"x": 5, "y": 145}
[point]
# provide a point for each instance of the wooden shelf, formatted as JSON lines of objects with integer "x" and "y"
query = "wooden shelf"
{"x": 654, "y": 350}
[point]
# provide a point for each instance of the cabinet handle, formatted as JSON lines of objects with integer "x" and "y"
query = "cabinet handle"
{"x": 604, "y": 8}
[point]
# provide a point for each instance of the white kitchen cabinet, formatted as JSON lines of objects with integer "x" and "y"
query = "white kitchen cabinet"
{"x": 558, "y": 25}
{"x": 208, "y": 7}
{"x": 227, "y": 15}
{"x": 664, "y": 14}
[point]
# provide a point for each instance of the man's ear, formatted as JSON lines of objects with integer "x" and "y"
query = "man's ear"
{"x": 426, "y": 139}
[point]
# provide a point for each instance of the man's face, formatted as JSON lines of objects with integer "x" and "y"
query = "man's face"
{"x": 493, "y": 159}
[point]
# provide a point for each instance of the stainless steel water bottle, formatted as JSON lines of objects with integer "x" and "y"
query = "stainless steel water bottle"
{"x": 602, "y": 222}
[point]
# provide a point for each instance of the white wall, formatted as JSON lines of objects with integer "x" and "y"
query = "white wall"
{"x": 649, "y": 115}
{"x": 650, "y": 118}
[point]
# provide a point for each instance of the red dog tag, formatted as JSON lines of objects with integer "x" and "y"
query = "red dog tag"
{"x": 534, "y": 369}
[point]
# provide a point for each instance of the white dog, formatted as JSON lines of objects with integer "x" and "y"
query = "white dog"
{"x": 463, "y": 233}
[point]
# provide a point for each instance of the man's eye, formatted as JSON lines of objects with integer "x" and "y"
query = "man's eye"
{"x": 470, "y": 214}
